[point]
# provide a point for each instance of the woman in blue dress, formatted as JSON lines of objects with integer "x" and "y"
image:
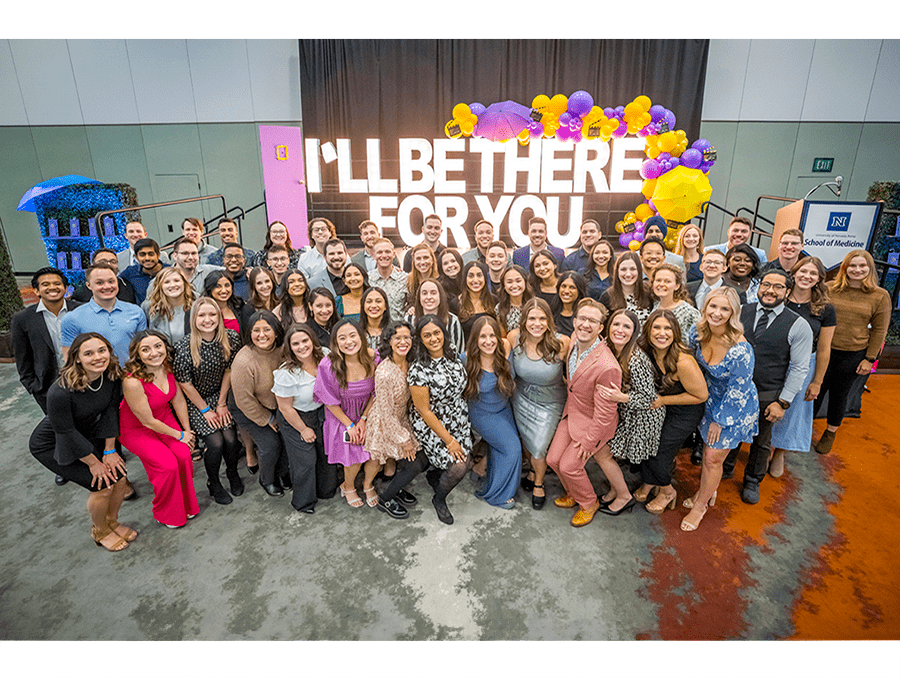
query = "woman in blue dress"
{"x": 732, "y": 410}
{"x": 489, "y": 386}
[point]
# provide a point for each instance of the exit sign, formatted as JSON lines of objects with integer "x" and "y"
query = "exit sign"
{"x": 822, "y": 164}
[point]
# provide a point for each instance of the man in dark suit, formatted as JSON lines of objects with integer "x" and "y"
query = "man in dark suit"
{"x": 537, "y": 237}
{"x": 36, "y": 336}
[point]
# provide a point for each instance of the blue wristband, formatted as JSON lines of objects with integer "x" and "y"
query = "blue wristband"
{"x": 181, "y": 437}
{"x": 108, "y": 452}
{"x": 206, "y": 410}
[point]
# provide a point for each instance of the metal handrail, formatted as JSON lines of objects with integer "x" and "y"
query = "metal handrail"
{"x": 99, "y": 216}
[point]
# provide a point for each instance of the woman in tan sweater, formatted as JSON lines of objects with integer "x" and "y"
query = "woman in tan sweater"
{"x": 863, "y": 312}
{"x": 252, "y": 403}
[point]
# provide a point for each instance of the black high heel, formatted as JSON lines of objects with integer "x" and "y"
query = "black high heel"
{"x": 528, "y": 484}
{"x": 605, "y": 509}
{"x": 217, "y": 492}
{"x": 537, "y": 503}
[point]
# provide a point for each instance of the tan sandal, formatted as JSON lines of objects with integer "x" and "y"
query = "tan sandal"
{"x": 689, "y": 502}
{"x": 130, "y": 533}
{"x": 690, "y": 527}
{"x": 640, "y": 497}
{"x": 371, "y": 499}
{"x": 355, "y": 502}
{"x": 656, "y": 508}
{"x": 98, "y": 535}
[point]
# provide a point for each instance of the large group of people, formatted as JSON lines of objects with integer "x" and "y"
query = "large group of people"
{"x": 326, "y": 372}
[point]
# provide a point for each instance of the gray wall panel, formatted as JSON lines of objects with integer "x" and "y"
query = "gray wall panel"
{"x": 777, "y": 71}
{"x": 275, "y": 79}
{"x": 46, "y": 81}
{"x": 162, "y": 80}
{"x": 62, "y": 150}
{"x": 221, "y": 80}
{"x": 103, "y": 77}
{"x": 876, "y": 160}
{"x": 19, "y": 171}
{"x": 840, "y": 80}
{"x": 884, "y": 102}
{"x": 12, "y": 107}
{"x": 726, "y": 70}
{"x": 823, "y": 140}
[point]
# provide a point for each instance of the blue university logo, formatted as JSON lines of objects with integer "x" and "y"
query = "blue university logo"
{"x": 838, "y": 221}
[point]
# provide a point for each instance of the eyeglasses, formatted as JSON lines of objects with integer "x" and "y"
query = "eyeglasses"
{"x": 592, "y": 321}
{"x": 233, "y": 256}
{"x": 778, "y": 287}
{"x": 320, "y": 229}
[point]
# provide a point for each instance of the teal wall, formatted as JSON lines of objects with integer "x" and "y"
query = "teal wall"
{"x": 776, "y": 158}
{"x": 162, "y": 162}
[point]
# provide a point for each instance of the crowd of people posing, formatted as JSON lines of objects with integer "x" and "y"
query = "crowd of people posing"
{"x": 319, "y": 369}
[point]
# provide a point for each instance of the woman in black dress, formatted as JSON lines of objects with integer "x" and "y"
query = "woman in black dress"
{"x": 202, "y": 368}
{"x": 570, "y": 289}
{"x": 77, "y": 438}
{"x": 322, "y": 314}
{"x": 476, "y": 299}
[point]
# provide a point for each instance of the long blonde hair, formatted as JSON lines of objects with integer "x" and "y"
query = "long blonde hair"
{"x": 679, "y": 245}
{"x": 158, "y": 302}
{"x": 841, "y": 282}
{"x": 734, "y": 328}
{"x": 221, "y": 336}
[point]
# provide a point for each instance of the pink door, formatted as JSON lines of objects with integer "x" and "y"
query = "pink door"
{"x": 282, "y": 163}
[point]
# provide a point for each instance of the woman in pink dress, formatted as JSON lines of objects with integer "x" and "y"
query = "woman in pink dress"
{"x": 344, "y": 384}
{"x": 150, "y": 430}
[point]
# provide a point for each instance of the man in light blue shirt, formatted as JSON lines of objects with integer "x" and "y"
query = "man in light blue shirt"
{"x": 116, "y": 320}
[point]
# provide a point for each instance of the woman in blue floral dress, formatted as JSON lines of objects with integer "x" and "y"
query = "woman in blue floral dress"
{"x": 732, "y": 410}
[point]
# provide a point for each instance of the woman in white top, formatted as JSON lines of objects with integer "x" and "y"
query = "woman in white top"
{"x": 670, "y": 294}
{"x": 300, "y": 419}
{"x": 432, "y": 300}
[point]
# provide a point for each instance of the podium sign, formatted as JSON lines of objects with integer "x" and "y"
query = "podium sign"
{"x": 832, "y": 229}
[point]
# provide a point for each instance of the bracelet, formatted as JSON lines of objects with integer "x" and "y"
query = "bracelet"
{"x": 352, "y": 424}
{"x": 364, "y": 417}
{"x": 181, "y": 437}
{"x": 205, "y": 411}
{"x": 108, "y": 452}
{"x": 871, "y": 360}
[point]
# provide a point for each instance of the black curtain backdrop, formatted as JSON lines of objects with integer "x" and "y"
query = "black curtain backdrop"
{"x": 389, "y": 89}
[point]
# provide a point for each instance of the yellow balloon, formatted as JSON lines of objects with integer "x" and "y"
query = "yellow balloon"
{"x": 632, "y": 112}
{"x": 644, "y": 102}
{"x": 643, "y": 212}
{"x": 540, "y": 103}
{"x": 620, "y": 227}
{"x": 525, "y": 141}
{"x": 666, "y": 142}
{"x": 461, "y": 111}
{"x": 630, "y": 218}
{"x": 653, "y": 152}
{"x": 558, "y": 104}
{"x": 452, "y": 129}
{"x": 467, "y": 126}
{"x": 681, "y": 135}
{"x": 648, "y": 188}
{"x": 634, "y": 245}
{"x": 524, "y": 135}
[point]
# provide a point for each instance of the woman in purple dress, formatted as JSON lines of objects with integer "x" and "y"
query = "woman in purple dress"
{"x": 344, "y": 384}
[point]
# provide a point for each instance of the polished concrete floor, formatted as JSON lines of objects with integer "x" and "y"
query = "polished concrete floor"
{"x": 259, "y": 570}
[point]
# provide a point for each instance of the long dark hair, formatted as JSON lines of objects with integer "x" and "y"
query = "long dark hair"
{"x": 466, "y": 308}
{"x": 533, "y": 280}
{"x": 338, "y": 360}
{"x": 364, "y": 318}
{"x": 623, "y": 356}
{"x": 363, "y": 272}
{"x": 443, "y": 309}
{"x": 453, "y": 285}
{"x": 235, "y": 303}
{"x": 73, "y": 377}
{"x": 135, "y": 366}
{"x": 255, "y": 299}
{"x": 577, "y": 280}
{"x": 610, "y": 265}
{"x": 271, "y": 320}
{"x": 287, "y": 301}
{"x": 641, "y": 292}
{"x": 289, "y": 358}
{"x": 287, "y": 243}
{"x": 663, "y": 375}
{"x": 504, "y": 301}
{"x": 314, "y": 294}
{"x": 505, "y": 382}
{"x": 421, "y": 353}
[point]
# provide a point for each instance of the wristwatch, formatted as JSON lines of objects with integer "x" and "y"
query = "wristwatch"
{"x": 783, "y": 403}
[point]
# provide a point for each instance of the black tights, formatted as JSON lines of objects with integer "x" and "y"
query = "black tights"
{"x": 406, "y": 471}
{"x": 451, "y": 477}
{"x": 221, "y": 444}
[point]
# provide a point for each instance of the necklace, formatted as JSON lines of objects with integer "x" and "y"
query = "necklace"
{"x": 99, "y": 386}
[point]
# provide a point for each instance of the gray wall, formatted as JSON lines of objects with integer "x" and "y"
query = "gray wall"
{"x": 185, "y": 113}
{"x": 173, "y": 118}
{"x": 772, "y": 106}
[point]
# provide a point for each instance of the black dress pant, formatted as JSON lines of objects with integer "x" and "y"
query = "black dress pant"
{"x": 311, "y": 474}
{"x": 680, "y": 423}
{"x": 840, "y": 378}
{"x": 760, "y": 448}
{"x": 273, "y": 462}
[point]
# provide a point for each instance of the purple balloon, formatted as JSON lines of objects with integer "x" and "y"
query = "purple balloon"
{"x": 706, "y": 165}
{"x": 537, "y": 130}
{"x": 564, "y": 119}
{"x": 657, "y": 113}
{"x": 652, "y": 206}
{"x": 620, "y": 111}
{"x": 646, "y": 131}
{"x": 563, "y": 134}
{"x": 650, "y": 169}
{"x": 609, "y": 112}
{"x": 580, "y": 103}
{"x": 662, "y": 157}
{"x": 670, "y": 118}
{"x": 691, "y": 158}
{"x": 638, "y": 234}
{"x": 575, "y": 135}
{"x": 675, "y": 162}
{"x": 575, "y": 124}
{"x": 621, "y": 131}
{"x": 477, "y": 108}
{"x": 624, "y": 239}
{"x": 701, "y": 145}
